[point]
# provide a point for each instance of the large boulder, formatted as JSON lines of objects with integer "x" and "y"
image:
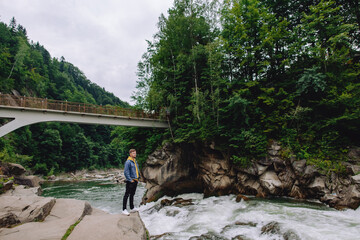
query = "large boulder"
{"x": 28, "y": 207}
{"x": 65, "y": 213}
{"x": 215, "y": 172}
{"x": 271, "y": 183}
{"x": 110, "y": 227}
{"x": 247, "y": 184}
{"x": 30, "y": 181}
{"x": 297, "y": 192}
{"x": 12, "y": 169}
{"x": 250, "y": 170}
{"x": 299, "y": 167}
{"x": 169, "y": 171}
{"x": 317, "y": 188}
{"x": 287, "y": 178}
{"x": 348, "y": 198}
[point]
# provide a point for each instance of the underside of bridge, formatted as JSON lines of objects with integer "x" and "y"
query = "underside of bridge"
{"x": 27, "y": 116}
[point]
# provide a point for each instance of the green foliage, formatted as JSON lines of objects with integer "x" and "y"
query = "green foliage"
{"x": 145, "y": 141}
{"x": 248, "y": 143}
{"x": 92, "y": 168}
{"x": 311, "y": 81}
{"x": 51, "y": 172}
{"x": 326, "y": 166}
{"x": 243, "y": 162}
{"x": 8, "y": 154}
{"x": 40, "y": 168}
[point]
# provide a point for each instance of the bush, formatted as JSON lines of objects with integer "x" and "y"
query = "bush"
{"x": 40, "y": 168}
{"x": 92, "y": 168}
{"x": 243, "y": 162}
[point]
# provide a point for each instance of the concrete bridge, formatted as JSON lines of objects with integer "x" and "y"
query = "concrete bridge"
{"x": 24, "y": 111}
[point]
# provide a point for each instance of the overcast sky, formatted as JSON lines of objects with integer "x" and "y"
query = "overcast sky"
{"x": 105, "y": 39}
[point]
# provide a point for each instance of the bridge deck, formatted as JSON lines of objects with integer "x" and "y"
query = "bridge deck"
{"x": 7, "y": 100}
{"x": 27, "y": 110}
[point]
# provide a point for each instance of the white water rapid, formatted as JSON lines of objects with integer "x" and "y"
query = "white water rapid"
{"x": 221, "y": 217}
{"x": 218, "y": 215}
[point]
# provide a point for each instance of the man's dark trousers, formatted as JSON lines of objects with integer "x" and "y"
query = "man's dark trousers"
{"x": 130, "y": 190}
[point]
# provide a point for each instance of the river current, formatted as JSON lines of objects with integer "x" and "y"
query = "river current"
{"x": 220, "y": 217}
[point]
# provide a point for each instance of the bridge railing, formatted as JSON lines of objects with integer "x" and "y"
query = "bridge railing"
{"x": 65, "y": 106}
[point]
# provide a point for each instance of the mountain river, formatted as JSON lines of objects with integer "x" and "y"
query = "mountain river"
{"x": 220, "y": 218}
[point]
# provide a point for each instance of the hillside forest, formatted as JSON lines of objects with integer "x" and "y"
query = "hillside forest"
{"x": 236, "y": 73}
{"x": 27, "y": 69}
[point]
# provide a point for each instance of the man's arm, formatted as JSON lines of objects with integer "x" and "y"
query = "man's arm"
{"x": 127, "y": 171}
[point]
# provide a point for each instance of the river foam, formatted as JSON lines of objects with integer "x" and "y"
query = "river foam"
{"x": 219, "y": 215}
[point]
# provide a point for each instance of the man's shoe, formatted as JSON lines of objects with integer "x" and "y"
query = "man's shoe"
{"x": 125, "y": 212}
{"x": 134, "y": 210}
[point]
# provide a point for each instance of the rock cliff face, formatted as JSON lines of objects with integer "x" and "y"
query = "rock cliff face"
{"x": 170, "y": 171}
{"x": 176, "y": 169}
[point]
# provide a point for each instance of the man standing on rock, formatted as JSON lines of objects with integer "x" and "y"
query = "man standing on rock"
{"x": 132, "y": 175}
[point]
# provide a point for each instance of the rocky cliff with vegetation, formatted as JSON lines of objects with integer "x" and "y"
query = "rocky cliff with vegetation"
{"x": 176, "y": 169}
{"x": 237, "y": 74}
{"x": 241, "y": 73}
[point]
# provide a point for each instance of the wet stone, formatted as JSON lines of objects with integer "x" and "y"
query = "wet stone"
{"x": 271, "y": 228}
{"x": 251, "y": 224}
{"x": 162, "y": 236}
{"x": 237, "y": 225}
{"x": 240, "y": 237}
{"x": 227, "y": 227}
{"x": 178, "y": 202}
{"x": 172, "y": 213}
{"x": 166, "y": 202}
{"x": 208, "y": 236}
{"x": 290, "y": 235}
{"x": 240, "y": 196}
